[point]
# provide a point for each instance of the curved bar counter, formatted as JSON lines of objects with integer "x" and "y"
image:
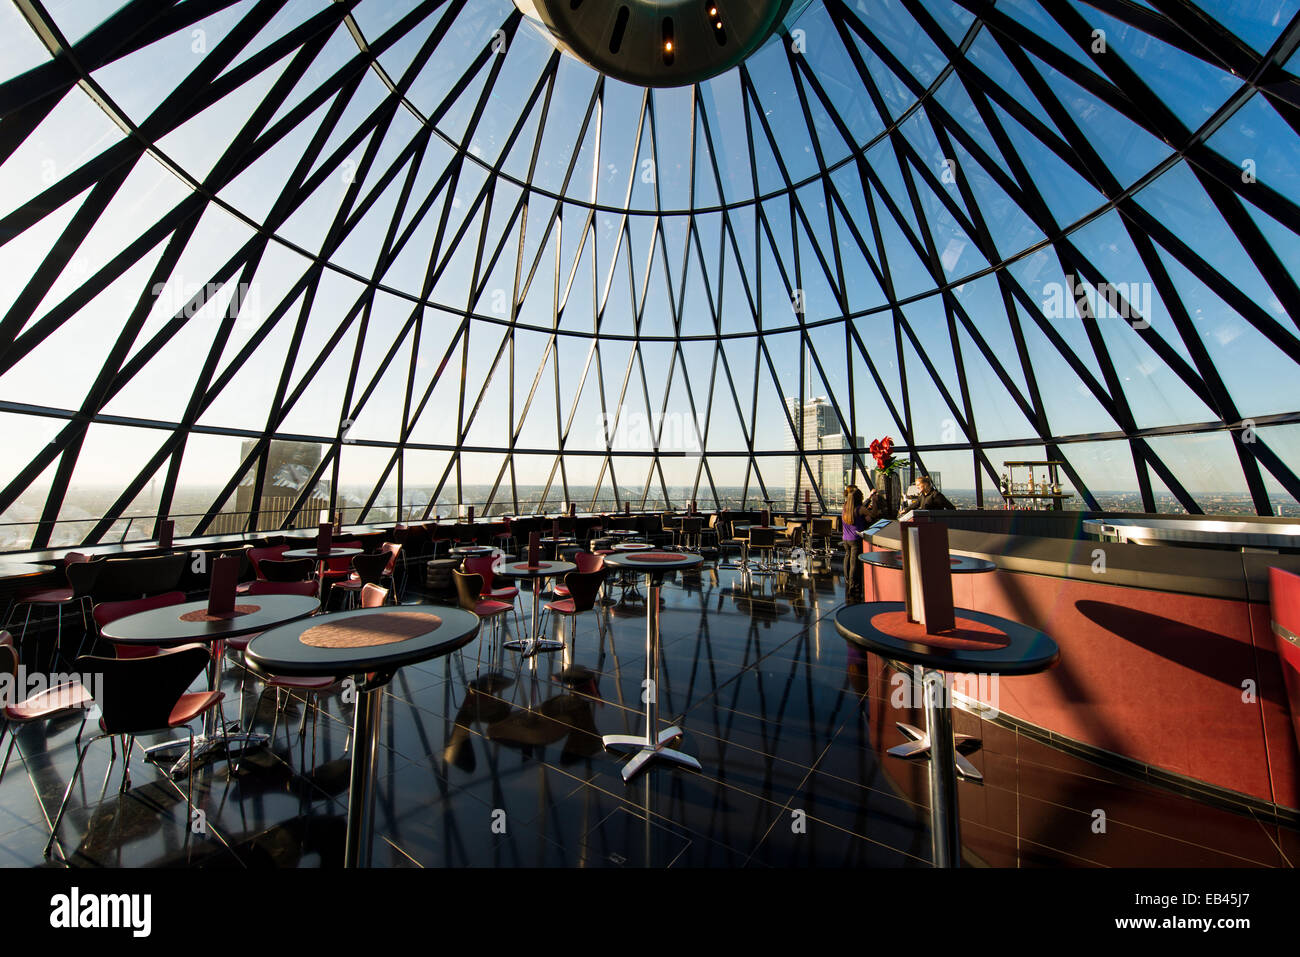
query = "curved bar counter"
{"x": 1168, "y": 657}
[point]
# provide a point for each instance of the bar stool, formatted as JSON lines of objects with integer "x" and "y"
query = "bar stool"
{"x": 82, "y": 572}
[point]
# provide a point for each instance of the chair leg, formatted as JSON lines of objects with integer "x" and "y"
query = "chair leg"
{"x": 13, "y": 739}
{"x": 67, "y": 795}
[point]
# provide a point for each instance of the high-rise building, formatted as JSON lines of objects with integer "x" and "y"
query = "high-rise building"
{"x": 829, "y": 453}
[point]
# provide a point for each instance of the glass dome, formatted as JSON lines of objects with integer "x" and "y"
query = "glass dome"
{"x": 260, "y": 261}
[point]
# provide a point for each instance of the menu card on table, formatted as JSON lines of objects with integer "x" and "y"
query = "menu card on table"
{"x": 471, "y": 515}
{"x": 555, "y": 530}
{"x": 325, "y": 538}
{"x": 627, "y": 508}
{"x": 573, "y": 510}
{"x": 165, "y": 530}
{"x": 225, "y": 578}
{"x": 534, "y": 547}
{"x": 807, "y": 510}
{"x": 767, "y": 518}
{"x": 338, "y": 522}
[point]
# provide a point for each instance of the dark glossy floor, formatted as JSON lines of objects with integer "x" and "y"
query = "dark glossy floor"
{"x": 490, "y": 762}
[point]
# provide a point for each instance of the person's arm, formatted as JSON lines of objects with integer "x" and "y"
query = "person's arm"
{"x": 941, "y": 501}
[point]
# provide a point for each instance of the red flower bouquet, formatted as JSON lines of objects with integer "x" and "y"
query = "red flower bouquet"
{"x": 882, "y": 451}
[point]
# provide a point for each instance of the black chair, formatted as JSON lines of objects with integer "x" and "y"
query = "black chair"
{"x": 366, "y": 570}
{"x": 763, "y": 541}
{"x": 121, "y": 579}
{"x": 287, "y": 570}
{"x": 692, "y": 525}
{"x": 144, "y": 696}
{"x": 583, "y": 589}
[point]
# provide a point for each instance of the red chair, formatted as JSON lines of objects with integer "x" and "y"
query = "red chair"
{"x": 273, "y": 552}
{"x": 469, "y": 589}
{"x": 338, "y": 569}
{"x": 110, "y": 611}
{"x": 372, "y": 596}
{"x": 366, "y": 570}
{"x": 82, "y": 572}
{"x": 582, "y": 589}
{"x": 586, "y": 562}
{"x": 65, "y": 699}
{"x": 505, "y": 539}
{"x": 142, "y": 696}
{"x": 481, "y": 565}
{"x": 394, "y": 552}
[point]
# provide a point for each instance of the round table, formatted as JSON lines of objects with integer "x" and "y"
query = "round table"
{"x": 370, "y": 644}
{"x": 536, "y": 641}
{"x": 979, "y": 643}
{"x": 13, "y": 570}
{"x": 470, "y": 551}
{"x": 166, "y": 627}
{"x": 961, "y": 564}
{"x": 321, "y": 558}
{"x": 654, "y": 564}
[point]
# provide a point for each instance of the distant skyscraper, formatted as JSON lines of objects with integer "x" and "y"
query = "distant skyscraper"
{"x": 821, "y": 435}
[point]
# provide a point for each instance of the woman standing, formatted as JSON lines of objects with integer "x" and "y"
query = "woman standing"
{"x": 853, "y": 519}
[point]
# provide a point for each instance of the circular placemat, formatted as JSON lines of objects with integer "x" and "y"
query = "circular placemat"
{"x": 203, "y": 615}
{"x": 965, "y": 634}
{"x": 364, "y": 631}
{"x": 655, "y": 557}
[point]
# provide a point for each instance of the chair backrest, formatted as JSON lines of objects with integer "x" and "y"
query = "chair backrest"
{"x": 110, "y": 611}
{"x": 372, "y": 596}
{"x": 692, "y": 526}
{"x": 121, "y": 579}
{"x": 9, "y": 661}
{"x": 823, "y": 526}
{"x": 481, "y": 565}
{"x": 371, "y": 568}
{"x": 138, "y": 694}
{"x": 468, "y": 588}
{"x": 293, "y": 570}
{"x": 259, "y": 587}
{"x": 392, "y": 550}
{"x": 583, "y": 588}
{"x": 83, "y": 574}
{"x": 762, "y": 537}
{"x": 257, "y": 555}
{"x": 589, "y": 562}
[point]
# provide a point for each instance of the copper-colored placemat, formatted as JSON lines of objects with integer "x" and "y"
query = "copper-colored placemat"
{"x": 363, "y": 631}
{"x": 203, "y": 615}
{"x": 656, "y": 557}
{"x": 525, "y": 567}
{"x": 966, "y": 635}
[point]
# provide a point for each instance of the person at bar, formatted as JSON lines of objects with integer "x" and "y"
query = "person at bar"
{"x": 931, "y": 498}
{"x": 853, "y": 519}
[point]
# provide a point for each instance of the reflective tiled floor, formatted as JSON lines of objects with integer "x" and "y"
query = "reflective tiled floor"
{"x": 491, "y": 761}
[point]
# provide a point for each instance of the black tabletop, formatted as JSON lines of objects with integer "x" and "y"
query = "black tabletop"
{"x": 321, "y": 556}
{"x": 961, "y": 564}
{"x": 653, "y": 562}
{"x": 540, "y": 570}
{"x": 10, "y": 570}
{"x": 164, "y": 626}
{"x": 281, "y": 650}
{"x": 981, "y": 643}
